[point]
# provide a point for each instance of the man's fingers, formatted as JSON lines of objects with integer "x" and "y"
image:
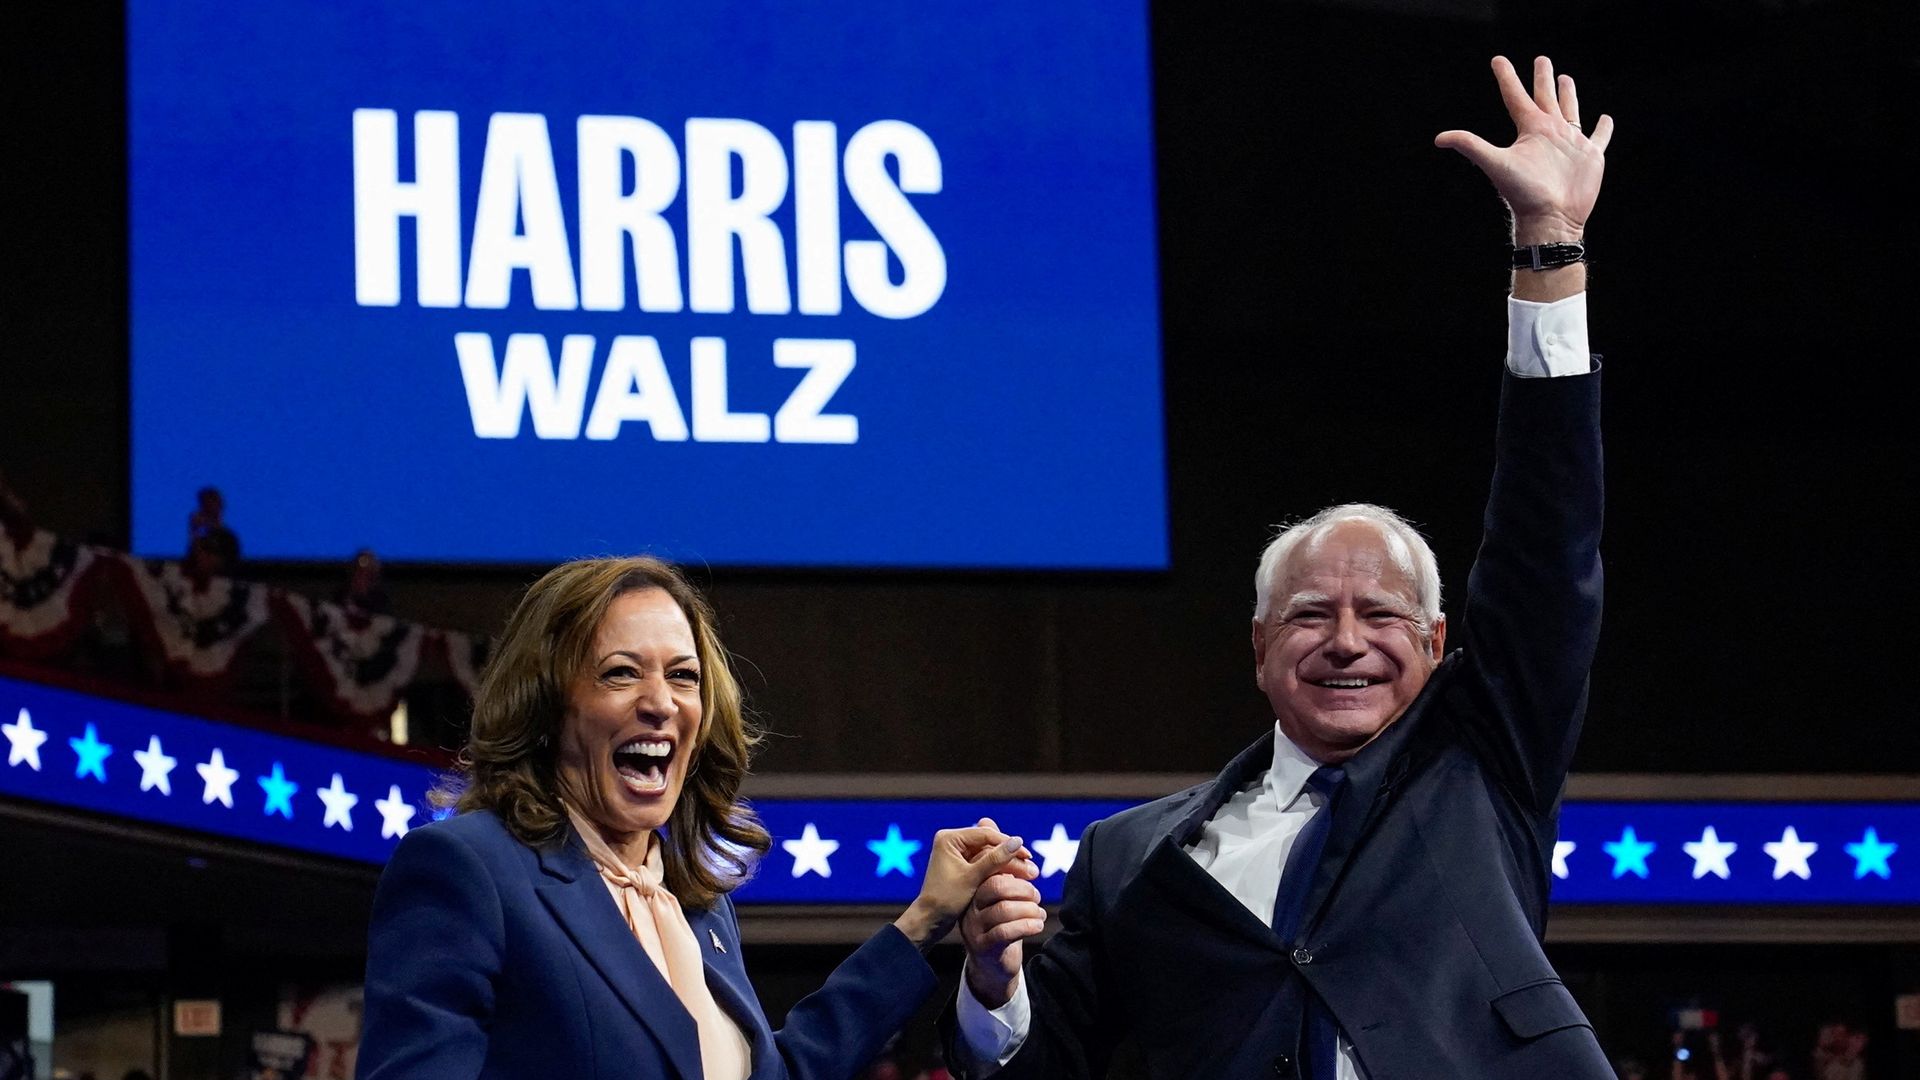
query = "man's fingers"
{"x": 1470, "y": 146}
{"x": 1543, "y": 86}
{"x": 1002, "y": 887}
{"x": 1569, "y": 101}
{"x": 1008, "y": 911}
{"x": 1001, "y": 935}
{"x": 1602, "y": 133}
{"x": 1519, "y": 105}
{"x": 995, "y": 927}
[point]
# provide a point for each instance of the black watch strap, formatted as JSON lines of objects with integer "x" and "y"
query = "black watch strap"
{"x": 1549, "y": 256}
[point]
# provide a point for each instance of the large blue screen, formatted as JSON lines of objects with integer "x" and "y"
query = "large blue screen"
{"x": 782, "y": 284}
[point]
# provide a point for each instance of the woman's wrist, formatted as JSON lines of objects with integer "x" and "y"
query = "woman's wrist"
{"x": 922, "y": 926}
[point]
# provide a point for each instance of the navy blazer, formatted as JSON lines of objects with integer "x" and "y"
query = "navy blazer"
{"x": 1423, "y": 924}
{"x": 489, "y": 958}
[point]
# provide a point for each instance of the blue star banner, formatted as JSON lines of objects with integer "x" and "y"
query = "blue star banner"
{"x": 1736, "y": 853}
{"x": 163, "y": 768}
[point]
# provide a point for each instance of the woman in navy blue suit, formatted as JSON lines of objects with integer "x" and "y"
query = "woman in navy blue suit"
{"x": 572, "y": 919}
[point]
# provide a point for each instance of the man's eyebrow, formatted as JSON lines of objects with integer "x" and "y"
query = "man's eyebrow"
{"x": 1303, "y": 599}
{"x": 1390, "y": 601}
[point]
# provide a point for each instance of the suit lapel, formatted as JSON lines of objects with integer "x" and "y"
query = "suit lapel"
{"x": 1177, "y": 882}
{"x": 1181, "y": 881}
{"x": 1245, "y": 768}
{"x": 578, "y": 899}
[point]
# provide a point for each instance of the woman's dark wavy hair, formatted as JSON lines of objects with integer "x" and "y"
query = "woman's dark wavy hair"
{"x": 508, "y": 765}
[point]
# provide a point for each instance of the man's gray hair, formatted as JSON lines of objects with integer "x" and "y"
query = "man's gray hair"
{"x": 1405, "y": 546}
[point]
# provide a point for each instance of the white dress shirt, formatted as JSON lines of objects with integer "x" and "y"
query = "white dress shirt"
{"x": 1246, "y": 843}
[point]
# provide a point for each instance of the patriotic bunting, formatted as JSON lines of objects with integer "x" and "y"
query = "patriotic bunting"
{"x": 45, "y": 594}
{"x": 361, "y": 662}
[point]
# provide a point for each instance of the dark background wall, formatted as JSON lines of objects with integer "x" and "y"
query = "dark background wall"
{"x": 1332, "y": 305}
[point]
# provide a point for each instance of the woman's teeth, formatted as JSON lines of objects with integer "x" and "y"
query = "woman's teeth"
{"x": 643, "y": 764}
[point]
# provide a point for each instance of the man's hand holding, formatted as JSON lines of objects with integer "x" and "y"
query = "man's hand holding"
{"x": 1005, "y": 911}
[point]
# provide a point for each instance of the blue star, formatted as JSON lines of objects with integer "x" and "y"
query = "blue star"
{"x": 895, "y": 853}
{"x": 279, "y": 791}
{"x": 1870, "y": 856}
{"x": 1629, "y": 853}
{"x": 92, "y": 754}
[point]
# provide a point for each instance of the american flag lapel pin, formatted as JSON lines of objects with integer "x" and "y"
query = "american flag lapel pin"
{"x": 715, "y": 935}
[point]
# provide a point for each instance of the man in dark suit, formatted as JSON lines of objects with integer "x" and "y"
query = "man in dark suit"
{"x": 1362, "y": 893}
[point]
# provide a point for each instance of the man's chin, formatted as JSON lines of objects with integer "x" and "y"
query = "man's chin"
{"x": 1335, "y": 737}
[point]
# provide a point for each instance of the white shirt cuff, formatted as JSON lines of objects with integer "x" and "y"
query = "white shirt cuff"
{"x": 1548, "y": 339}
{"x": 992, "y": 1036}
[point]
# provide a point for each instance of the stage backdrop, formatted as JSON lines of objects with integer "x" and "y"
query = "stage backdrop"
{"x": 754, "y": 284}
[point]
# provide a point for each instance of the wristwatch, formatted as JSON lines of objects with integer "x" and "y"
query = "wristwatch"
{"x": 1549, "y": 256}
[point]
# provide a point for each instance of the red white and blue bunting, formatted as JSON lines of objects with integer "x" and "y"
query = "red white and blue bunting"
{"x": 361, "y": 662}
{"x": 45, "y": 597}
{"x": 198, "y": 626}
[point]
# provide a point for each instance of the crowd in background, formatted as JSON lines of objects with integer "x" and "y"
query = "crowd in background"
{"x": 1700, "y": 1051}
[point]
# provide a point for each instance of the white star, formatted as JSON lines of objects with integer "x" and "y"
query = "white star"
{"x": 1710, "y": 855}
{"x": 155, "y": 766}
{"x": 1057, "y": 852}
{"x": 395, "y": 812}
{"x": 1562, "y": 849}
{"x": 1790, "y": 855}
{"x": 23, "y": 741}
{"x": 219, "y": 780}
{"x": 340, "y": 803}
{"x": 810, "y": 852}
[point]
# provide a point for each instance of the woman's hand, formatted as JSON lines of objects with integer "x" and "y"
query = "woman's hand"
{"x": 960, "y": 860}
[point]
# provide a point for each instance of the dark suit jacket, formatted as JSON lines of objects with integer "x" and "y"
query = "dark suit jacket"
{"x": 488, "y": 958}
{"x": 1422, "y": 930}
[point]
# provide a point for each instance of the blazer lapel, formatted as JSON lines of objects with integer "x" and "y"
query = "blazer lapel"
{"x": 1180, "y": 881}
{"x": 578, "y": 899}
{"x": 1245, "y": 768}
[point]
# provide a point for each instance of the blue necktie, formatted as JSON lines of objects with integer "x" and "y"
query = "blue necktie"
{"x": 1319, "y": 1042}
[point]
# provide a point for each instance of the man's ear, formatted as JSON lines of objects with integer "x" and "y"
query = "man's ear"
{"x": 1439, "y": 640}
{"x": 1259, "y": 654}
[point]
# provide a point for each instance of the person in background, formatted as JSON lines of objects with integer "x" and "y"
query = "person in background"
{"x": 1754, "y": 1062}
{"x": 573, "y": 918}
{"x": 212, "y": 548}
{"x": 1840, "y": 1052}
{"x": 364, "y": 593}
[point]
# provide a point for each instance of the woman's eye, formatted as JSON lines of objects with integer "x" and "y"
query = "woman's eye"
{"x": 687, "y": 675}
{"x": 622, "y": 672}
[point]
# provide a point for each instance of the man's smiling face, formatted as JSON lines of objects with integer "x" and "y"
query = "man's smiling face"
{"x": 1341, "y": 653}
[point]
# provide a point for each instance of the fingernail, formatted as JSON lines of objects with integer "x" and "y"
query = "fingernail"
{"x": 1013, "y": 843}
